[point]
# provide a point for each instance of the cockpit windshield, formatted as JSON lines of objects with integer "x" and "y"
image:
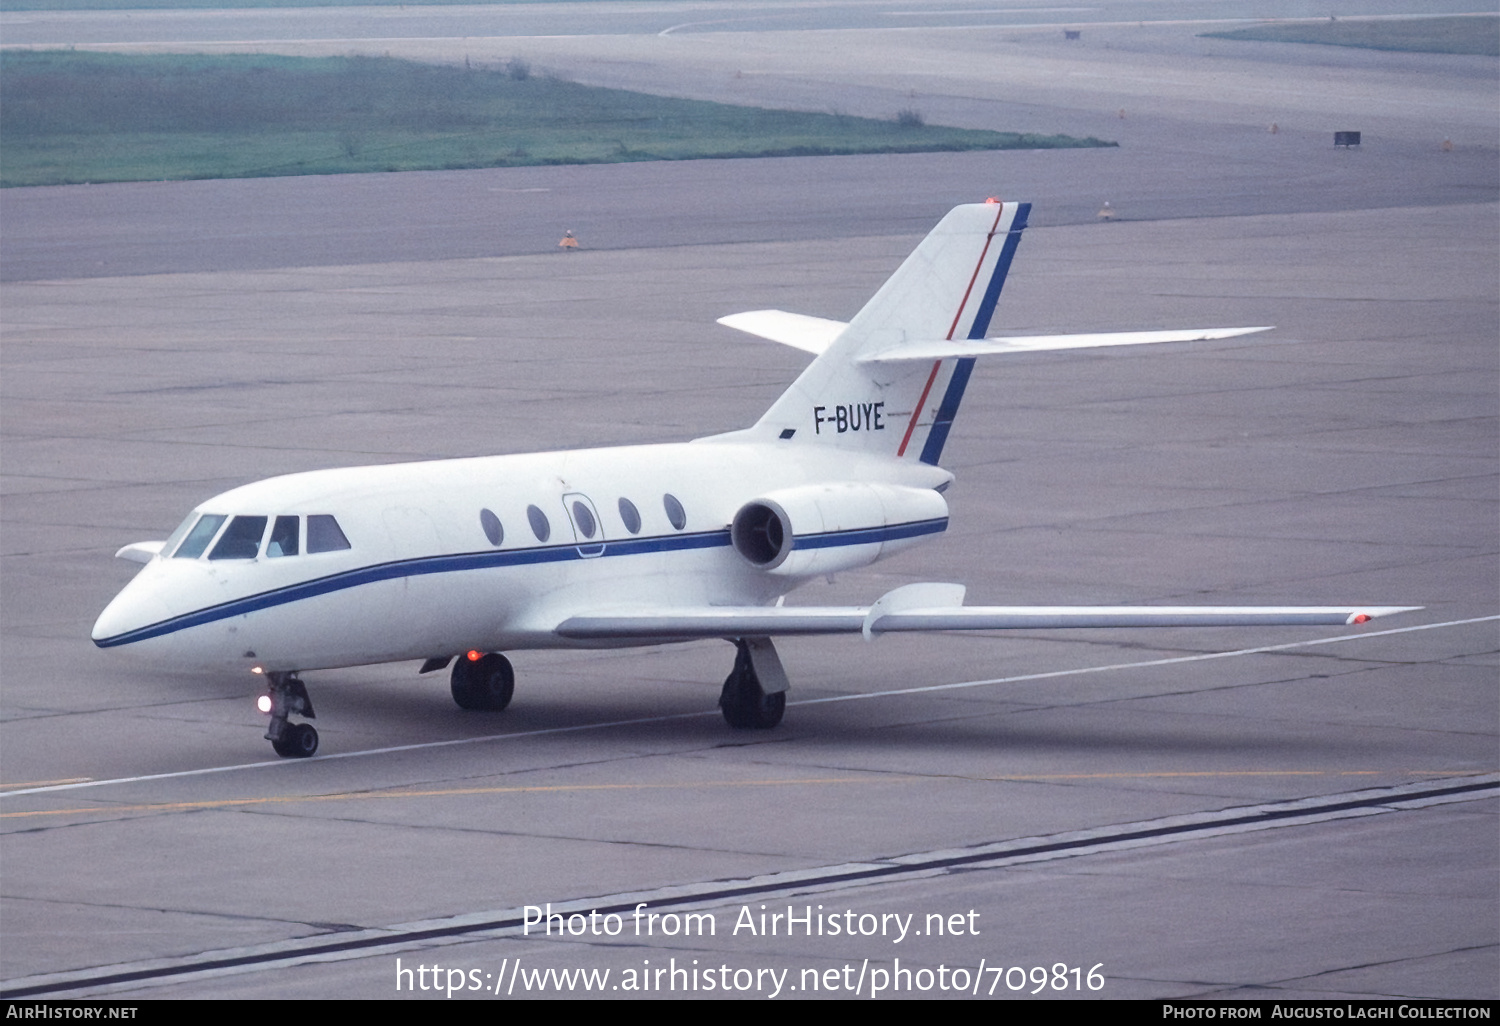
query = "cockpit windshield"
{"x": 198, "y": 538}
{"x": 243, "y": 537}
{"x": 175, "y": 538}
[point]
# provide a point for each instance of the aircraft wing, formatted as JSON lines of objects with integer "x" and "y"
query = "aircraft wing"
{"x": 938, "y": 607}
{"x": 941, "y": 349}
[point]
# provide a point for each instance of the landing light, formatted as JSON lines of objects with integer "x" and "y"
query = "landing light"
{"x": 263, "y": 703}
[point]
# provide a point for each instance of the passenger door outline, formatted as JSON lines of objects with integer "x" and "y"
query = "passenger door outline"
{"x": 589, "y": 546}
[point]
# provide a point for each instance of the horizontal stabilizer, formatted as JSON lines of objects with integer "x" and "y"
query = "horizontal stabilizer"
{"x": 942, "y": 349}
{"x": 811, "y": 334}
{"x": 892, "y": 613}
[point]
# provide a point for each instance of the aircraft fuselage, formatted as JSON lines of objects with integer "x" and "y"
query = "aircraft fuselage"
{"x": 448, "y": 556}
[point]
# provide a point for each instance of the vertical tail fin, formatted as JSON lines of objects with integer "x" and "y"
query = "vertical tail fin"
{"x": 946, "y": 289}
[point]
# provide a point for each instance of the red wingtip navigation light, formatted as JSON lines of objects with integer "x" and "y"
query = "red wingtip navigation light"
{"x": 1361, "y": 618}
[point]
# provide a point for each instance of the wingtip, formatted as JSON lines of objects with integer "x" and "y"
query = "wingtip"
{"x": 1366, "y": 615}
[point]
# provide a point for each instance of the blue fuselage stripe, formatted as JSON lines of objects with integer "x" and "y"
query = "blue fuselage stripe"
{"x": 871, "y": 535}
{"x": 464, "y": 561}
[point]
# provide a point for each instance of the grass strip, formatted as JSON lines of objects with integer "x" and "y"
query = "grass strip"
{"x": 72, "y": 117}
{"x": 1464, "y": 35}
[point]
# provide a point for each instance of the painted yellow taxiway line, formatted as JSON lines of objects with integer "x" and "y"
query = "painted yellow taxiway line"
{"x": 460, "y": 792}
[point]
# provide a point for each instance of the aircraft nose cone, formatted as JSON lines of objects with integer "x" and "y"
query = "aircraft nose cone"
{"x": 129, "y": 611}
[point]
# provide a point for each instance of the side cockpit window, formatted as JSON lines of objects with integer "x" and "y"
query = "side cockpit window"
{"x": 324, "y": 534}
{"x": 198, "y": 538}
{"x": 283, "y": 538}
{"x": 241, "y": 539}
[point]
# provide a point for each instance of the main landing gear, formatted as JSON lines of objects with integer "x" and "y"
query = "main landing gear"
{"x": 288, "y": 697}
{"x": 754, "y": 695}
{"x": 483, "y": 681}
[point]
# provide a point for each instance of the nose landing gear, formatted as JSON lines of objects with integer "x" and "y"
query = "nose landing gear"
{"x": 288, "y": 697}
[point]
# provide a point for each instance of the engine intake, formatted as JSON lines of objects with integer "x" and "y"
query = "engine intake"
{"x": 819, "y": 529}
{"x": 762, "y": 534}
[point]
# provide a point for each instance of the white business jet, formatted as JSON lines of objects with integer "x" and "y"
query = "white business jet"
{"x": 468, "y": 558}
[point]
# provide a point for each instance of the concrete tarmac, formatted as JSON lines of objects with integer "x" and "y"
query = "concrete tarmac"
{"x": 1108, "y": 801}
{"x": 1350, "y": 455}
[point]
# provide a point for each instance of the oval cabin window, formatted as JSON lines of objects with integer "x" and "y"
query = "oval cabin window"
{"x": 630, "y": 516}
{"x": 539, "y": 523}
{"x": 675, "y": 513}
{"x": 584, "y": 518}
{"x": 492, "y": 529}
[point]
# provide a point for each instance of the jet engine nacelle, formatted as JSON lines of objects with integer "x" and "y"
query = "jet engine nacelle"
{"x": 820, "y": 529}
